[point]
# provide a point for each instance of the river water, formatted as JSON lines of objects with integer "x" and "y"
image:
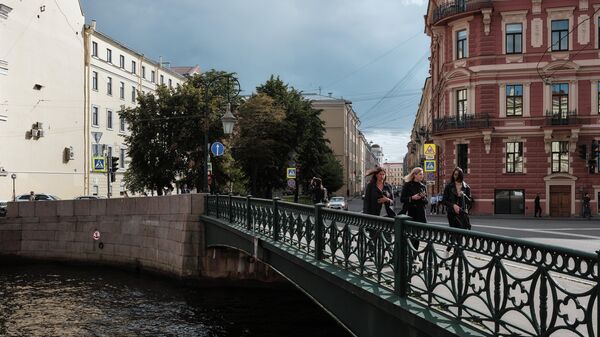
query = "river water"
{"x": 71, "y": 301}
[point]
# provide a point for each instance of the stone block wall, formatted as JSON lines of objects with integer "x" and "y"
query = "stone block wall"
{"x": 161, "y": 234}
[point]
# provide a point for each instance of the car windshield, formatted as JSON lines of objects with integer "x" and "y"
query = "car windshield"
{"x": 337, "y": 199}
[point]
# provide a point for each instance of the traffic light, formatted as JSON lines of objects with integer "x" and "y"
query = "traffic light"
{"x": 595, "y": 151}
{"x": 583, "y": 151}
{"x": 114, "y": 167}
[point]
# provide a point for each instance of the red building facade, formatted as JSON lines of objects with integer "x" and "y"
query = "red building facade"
{"x": 515, "y": 101}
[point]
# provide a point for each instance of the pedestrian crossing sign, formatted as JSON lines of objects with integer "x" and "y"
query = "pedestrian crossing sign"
{"x": 98, "y": 164}
{"x": 430, "y": 166}
{"x": 429, "y": 151}
{"x": 291, "y": 173}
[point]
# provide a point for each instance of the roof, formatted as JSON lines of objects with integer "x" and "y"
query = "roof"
{"x": 186, "y": 70}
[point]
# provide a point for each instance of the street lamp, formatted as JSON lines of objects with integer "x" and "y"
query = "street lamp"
{"x": 14, "y": 177}
{"x": 228, "y": 118}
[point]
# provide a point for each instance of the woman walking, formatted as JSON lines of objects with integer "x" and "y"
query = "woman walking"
{"x": 379, "y": 195}
{"x": 457, "y": 198}
{"x": 414, "y": 198}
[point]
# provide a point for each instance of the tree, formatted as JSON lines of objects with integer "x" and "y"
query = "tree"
{"x": 258, "y": 145}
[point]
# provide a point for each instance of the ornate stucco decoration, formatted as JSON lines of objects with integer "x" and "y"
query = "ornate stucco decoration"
{"x": 547, "y": 140}
{"x": 536, "y": 32}
{"x": 536, "y": 6}
{"x": 487, "y": 140}
{"x": 486, "y": 20}
{"x": 583, "y": 5}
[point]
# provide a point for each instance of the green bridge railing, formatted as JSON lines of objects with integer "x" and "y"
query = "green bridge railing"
{"x": 499, "y": 285}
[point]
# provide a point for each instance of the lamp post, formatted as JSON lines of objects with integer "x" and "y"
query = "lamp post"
{"x": 228, "y": 118}
{"x": 14, "y": 177}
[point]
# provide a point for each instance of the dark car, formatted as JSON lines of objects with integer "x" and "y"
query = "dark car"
{"x": 3, "y": 207}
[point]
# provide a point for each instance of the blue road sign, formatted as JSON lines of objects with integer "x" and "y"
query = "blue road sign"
{"x": 98, "y": 164}
{"x": 217, "y": 149}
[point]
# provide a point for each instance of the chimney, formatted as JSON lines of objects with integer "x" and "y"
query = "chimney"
{"x": 93, "y": 25}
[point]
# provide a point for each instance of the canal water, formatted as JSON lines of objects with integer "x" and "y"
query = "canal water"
{"x": 71, "y": 301}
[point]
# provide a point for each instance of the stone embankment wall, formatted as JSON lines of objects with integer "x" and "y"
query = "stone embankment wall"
{"x": 159, "y": 234}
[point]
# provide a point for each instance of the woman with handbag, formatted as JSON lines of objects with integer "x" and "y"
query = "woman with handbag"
{"x": 457, "y": 198}
{"x": 379, "y": 195}
{"x": 414, "y": 198}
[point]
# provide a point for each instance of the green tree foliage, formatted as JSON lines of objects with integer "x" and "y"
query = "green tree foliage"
{"x": 258, "y": 145}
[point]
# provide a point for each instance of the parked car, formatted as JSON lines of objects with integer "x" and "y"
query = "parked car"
{"x": 88, "y": 197}
{"x": 337, "y": 203}
{"x": 38, "y": 197}
{"x": 3, "y": 207}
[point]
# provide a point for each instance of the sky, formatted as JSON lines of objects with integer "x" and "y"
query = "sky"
{"x": 371, "y": 52}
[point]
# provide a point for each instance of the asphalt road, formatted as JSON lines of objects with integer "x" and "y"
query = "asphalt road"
{"x": 574, "y": 233}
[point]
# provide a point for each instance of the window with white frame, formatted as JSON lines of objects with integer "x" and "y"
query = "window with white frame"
{"x": 560, "y": 35}
{"x": 514, "y": 157}
{"x": 152, "y": 76}
{"x": 162, "y": 79}
{"x": 122, "y": 159}
{"x": 133, "y": 67}
{"x": 461, "y": 44}
{"x": 170, "y": 83}
{"x": 560, "y": 100}
{"x": 514, "y": 38}
{"x": 109, "y": 85}
{"x": 95, "y": 116}
{"x": 121, "y": 124}
{"x": 461, "y": 104}
{"x": 122, "y": 61}
{"x": 109, "y": 119}
{"x": 143, "y": 72}
{"x": 108, "y": 55}
{"x": 514, "y": 100}
{"x": 133, "y": 94}
{"x": 560, "y": 157}
{"x": 122, "y": 90}
{"x": 94, "y": 80}
{"x": 94, "y": 48}
{"x": 462, "y": 156}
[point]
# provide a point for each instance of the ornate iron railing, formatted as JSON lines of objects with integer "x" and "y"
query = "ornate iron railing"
{"x": 466, "y": 122}
{"x": 562, "y": 118}
{"x": 498, "y": 285}
{"x": 459, "y": 6}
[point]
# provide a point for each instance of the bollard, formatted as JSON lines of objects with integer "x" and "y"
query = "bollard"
{"x": 319, "y": 235}
{"x": 276, "y": 224}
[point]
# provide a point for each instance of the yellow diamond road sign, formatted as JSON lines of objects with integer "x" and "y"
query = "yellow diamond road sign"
{"x": 429, "y": 151}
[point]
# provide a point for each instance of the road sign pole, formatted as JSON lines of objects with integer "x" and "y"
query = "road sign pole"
{"x": 109, "y": 159}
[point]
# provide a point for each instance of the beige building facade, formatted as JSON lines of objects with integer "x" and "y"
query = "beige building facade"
{"x": 394, "y": 173}
{"x": 41, "y": 98}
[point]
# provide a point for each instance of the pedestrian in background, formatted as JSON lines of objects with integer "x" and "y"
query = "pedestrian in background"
{"x": 31, "y": 196}
{"x": 457, "y": 196}
{"x": 587, "y": 210}
{"x": 319, "y": 192}
{"x": 379, "y": 195}
{"x": 433, "y": 203}
{"x": 538, "y": 207}
{"x": 414, "y": 197}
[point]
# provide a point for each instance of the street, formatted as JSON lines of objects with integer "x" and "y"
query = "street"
{"x": 574, "y": 233}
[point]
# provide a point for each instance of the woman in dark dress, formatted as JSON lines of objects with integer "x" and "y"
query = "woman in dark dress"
{"x": 379, "y": 195}
{"x": 457, "y": 198}
{"x": 414, "y": 198}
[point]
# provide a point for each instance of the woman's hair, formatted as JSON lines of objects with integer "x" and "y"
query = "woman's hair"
{"x": 411, "y": 175}
{"x": 375, "y": 172}
{"x": 461, "y": 175}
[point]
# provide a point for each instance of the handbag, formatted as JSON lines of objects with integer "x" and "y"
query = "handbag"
{"x": 463, "y": 219}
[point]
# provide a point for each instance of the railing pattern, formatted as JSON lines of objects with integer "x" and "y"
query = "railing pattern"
{"x": 498, "y": 285}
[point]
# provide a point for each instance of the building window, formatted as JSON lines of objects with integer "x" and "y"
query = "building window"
{"x": 97, "y": 150}
{"x": 133, "y": 67}
{"x": 108, "y": 55}
{"x": 560, "y": 100}
{"x": 514, "y": 100}
{"x": 109, "y": 119}
{"x": 133, "y": 94}
{"x": 462, "y": 156}
{"x": 461, "y": 105}
{"x": 95, "y": 116}
{"x": 514, "y": 157}
{"x": 560, "y": 35}
{"x": 514, "y": 38}
{"x": 509, "y": 202}
{"x": 122, "y": 159}
{"x": 95, "y": 49}
{"x": 162, "y": 79}
{"x": 95, "y": 190}
{"x": 122, "y": 90}
{"x": 152, "y": 76}
{"x": 461, "y": 44}
{"x": 122, "y": 61}
{"x": 94, "y": 80}
{"x": 109, "y": 86}
{"x": 560, "y": 157}
{"x": 121, "y": 124}
{"x": 143, "y": 72}
{"x": 170, "y": 83}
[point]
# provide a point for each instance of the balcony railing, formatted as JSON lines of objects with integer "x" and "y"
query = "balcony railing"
{"x": 459, "y": 6}
{"x": 561, "y": 118}
{"x": 466, "y": 122}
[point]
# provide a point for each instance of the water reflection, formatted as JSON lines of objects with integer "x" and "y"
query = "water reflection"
{"x": 54, "y": 300}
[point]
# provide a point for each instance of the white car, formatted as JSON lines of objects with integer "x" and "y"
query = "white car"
{"x": 38, "y": 197}
{"x": 337, "y": 203}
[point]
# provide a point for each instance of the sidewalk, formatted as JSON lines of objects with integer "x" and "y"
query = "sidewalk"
{"x": 520, "y": 217}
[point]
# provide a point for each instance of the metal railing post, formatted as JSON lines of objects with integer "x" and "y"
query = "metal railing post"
{"x": 248, "y": 213}
{"x": 319, "y": 237}
{"x": 400, "y": 254}
{"x": 276, "y": 224}
{"x": 230, "y": 208}
{"x": 217, "y": 204}
{"x": 206, "y": 210}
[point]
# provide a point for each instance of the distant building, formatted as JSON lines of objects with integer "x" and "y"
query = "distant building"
{"x": 378, "y": 152}
{"x": 394, "y": 173}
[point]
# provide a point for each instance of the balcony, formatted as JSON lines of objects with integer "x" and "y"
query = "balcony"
{"x": 562, "y": 118}
{"x": 467, "y": 122}
{"x": 457, "y": 7}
